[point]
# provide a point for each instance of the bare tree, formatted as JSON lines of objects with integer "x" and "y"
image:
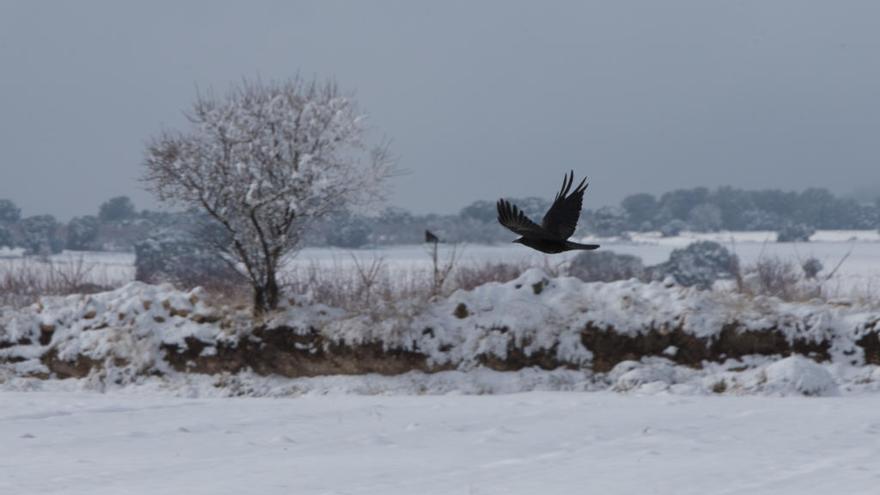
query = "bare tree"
{"x": 264, "y": 161}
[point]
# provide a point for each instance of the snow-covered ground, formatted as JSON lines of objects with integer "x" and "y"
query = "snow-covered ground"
{"x": 644, "y": 427}
{"x": 859, "y": 273}
{"x": 531, "y": 443}
{"x": 555, "y": 321}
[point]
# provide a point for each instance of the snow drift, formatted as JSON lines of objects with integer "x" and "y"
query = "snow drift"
{"x": 533, "y": 321}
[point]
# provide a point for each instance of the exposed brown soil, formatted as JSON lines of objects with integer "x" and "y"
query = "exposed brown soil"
{"x": 870, "y": 343}
{"x": 282, "y": 351}
{"x": 610, "y": 347}
{"x": 78, "y": 368}
{"x": 516, "y": 359}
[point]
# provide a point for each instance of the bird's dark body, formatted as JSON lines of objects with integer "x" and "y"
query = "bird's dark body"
{"x": 554, "y": 247}
{"x": 558, "y": 224}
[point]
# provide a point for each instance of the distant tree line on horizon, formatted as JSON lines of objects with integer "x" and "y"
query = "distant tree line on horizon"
{"x": 119, "y": 226}
{"x": 794, "y": 215}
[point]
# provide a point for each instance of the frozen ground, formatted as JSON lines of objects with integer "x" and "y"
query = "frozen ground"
{"x": 530, "y": 443}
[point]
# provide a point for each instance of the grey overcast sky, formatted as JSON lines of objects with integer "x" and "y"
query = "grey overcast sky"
{"x": 481, "y": 99}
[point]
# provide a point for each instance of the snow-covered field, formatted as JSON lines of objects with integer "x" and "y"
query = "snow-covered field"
{"x": 531, "y": 443}
{"x": 859, "y": 273}
{"x": 644, "y": 427}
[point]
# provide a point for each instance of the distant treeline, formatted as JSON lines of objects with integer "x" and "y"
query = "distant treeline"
{"x": 118, "y": 226}
{"x": 794, "y": 214}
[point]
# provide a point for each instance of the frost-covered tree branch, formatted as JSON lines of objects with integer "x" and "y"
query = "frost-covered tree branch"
{"x": 264, "y": 161}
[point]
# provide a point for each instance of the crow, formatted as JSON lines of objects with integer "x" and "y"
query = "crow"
{"x": 430, "y": 237}
{"x": 558, "y": 224}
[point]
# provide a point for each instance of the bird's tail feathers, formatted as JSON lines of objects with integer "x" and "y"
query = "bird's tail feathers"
{"x": 577, "y": 245}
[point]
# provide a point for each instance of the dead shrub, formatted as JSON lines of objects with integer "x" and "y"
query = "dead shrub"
{"x": 23, "y": 281}
{"x": 606, "y": 266}
{"x": 778, "y": 278}
{"x": 469, "y": 277}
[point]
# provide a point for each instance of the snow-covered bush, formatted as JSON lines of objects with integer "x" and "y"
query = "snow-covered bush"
{"x": 794, "y": 232}
{"x": 606, "y": 266}
{"x": 778, "y": 278}
{"x": 699, "y": 264}
{"x": 631, "y": 375}
{"x": 797, "y": 374}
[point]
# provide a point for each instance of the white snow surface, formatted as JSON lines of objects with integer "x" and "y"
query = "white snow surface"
{"x": 758, "y": 425}
{"x": 528, "y": 443}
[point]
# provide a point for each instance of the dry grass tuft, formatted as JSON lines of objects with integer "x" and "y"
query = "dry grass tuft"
{"x": 24, "y": 281}
{"x": 775, "y": 277}
{"x": 471, "y": 276}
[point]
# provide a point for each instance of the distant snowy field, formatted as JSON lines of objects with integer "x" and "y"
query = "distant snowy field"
{"x": 859, "y": 273}
{"x": 529, "y": 443}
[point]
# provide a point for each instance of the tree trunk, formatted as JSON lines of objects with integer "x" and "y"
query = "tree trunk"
{"x": 272, "y": 292}
{"x": 266, "y": 296}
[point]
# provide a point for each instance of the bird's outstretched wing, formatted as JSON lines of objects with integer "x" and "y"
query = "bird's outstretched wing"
{"x": 514, "y": 219}
{"x": 562, "y": 217}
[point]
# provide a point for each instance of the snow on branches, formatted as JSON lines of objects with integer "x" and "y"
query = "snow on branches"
{"x": 265, "y": 160}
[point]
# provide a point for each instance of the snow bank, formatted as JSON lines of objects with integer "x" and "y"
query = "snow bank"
{"x": 127, "y": 325}
{"x": 799, "y": 374}
{"x": 639, "y": 333}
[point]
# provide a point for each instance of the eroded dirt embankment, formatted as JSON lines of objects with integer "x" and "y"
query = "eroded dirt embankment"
{"x": 286, "y": 352}
{"x": 155, "y": 330}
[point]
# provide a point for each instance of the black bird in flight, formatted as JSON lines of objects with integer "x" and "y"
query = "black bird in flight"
{"x": 558, "y": 224}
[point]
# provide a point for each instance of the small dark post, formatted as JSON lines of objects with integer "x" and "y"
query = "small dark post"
{"x": 431, "y": 238}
